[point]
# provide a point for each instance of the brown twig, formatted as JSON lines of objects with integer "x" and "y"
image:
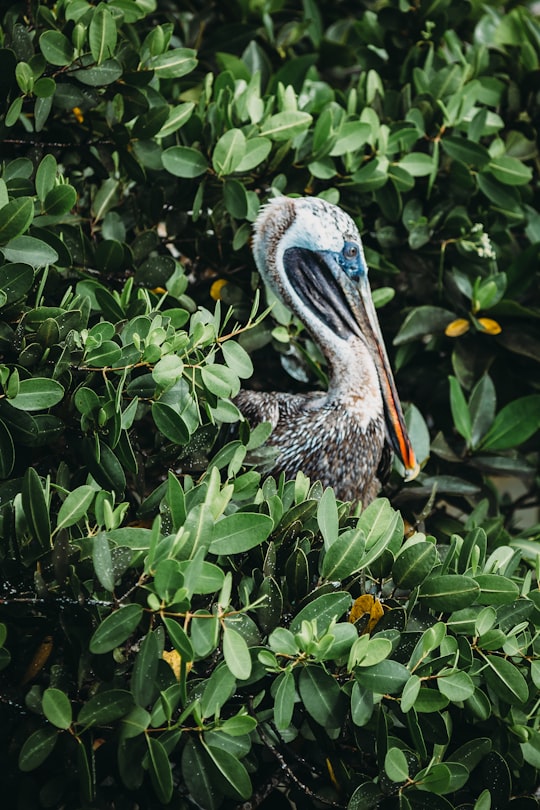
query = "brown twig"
{"x": 287, "y": 770}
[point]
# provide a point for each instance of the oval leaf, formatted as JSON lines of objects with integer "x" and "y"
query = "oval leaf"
{"x": 240, "y": 532}
{"x": 57, "y": 708}
{"x": 115, "y": 628}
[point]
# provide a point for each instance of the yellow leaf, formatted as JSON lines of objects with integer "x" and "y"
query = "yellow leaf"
{"x": 408, "y": 529}
{"x": 367, "y": 604}
{"x": 39, "y": 659}
{"x": 215, "y": 289}
{"x": 489, "y": 326}
{"x": 332, "y": 774}
{"x": 173, "y": 658}
{"x": 457, "y": 327}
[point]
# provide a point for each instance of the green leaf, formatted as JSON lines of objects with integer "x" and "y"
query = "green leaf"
{"x": 169, "y": 422}
{"x": 56, "y": 48}
{"x": 321, "y": 695}
{"x": 105, "y": 198}
{"x": 179, "y": 638}
{"x": 344, "y": 557}
{"x": 36, "y": 508}
{"x": 395, "y": 765}
{"x": 57, "y": 708}
{"x": 456, "y": 687}
{"x": 421, "y": 321}
{"x": 286, "y": 125}
{"x": 235, "y": 198}
{"x": 387, "y": 677}
{"x": 102, "y": 559}
{"x": 229, "y": 152}
{"x": 362, "y": 705}
{"x": 482, "y": 403}
{"x": 417, "y": 164}
{"x": 168, "y": 579}
{"x": 325, "y": 609}
{"x": 150, "y": 123}
{"x": 496, "y": 589}
{"x": 371, "y": 176}
{"x": 377, "y": 650}
{"x": 413, "y": 564}
{"x": 184, "y": 161}
{"x": 206, "y": 579}
{"x": 284, "y": 699}
{"x": 506, "y": 680}
{"x": 472, "y": 752}
{"x": 237, "y": 359}
{"x": 383, "y": 529}
{"x": 410, "y": 693}
{"x": 218, "y": 688}
{"x": 220, "y": 380}
{"x": 352, "y": 135}
{"x": 7, "y": 451}
{"x": 256, "y": 150}
{"x": 327, "y": 517}
{"x": 510, "y": 171}
{"x": 466, "y": 151}
{"x": 15, "y": 218}
{"x": 104, "y": 465}
{"x": 105, "y": 707}
{"x": 46, "y": 176}
{"x": 44, "y": 89}
{"x": 25, "y": 77}
{"x": 102, "y": 34}
{"x": 107, "y": 355}
{"x": 160, "y": 769}
{"x": 29, "y": 250}
{"x": 36, "y": 394}
{"x": 236, "y": 653}
{"x": 435, "y": 779}
{"x": 449, "y": 592}
{"x": 115, "y": 628}
{"x": 173, "y": 64}
{"x": 460, "y": 410}
{"x": 143, "y": 679}
{"x": 59, "y": 200}
{"x": 135, "y": 722}
{"x": 503, "y": 196}
{"x": 239, "y": 725}
{"x": 514, "y": 424}
{"x": 42, "y": 108}
{"x": 15, "y": 281}
{"x": 108, "y": 72}
{"x": 240, "y": 532}
{"x": 36, "y": 748}
{"x": 178, "y": 116}
{"x": 366, "y": 797}
{"x": 233, "y": 771}
{"x": 197, "y": 775}
{"x": 75, "y": 506}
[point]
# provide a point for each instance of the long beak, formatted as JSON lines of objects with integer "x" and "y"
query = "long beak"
{"x": 361, "y": 306}
{"x": 346, "y": 307}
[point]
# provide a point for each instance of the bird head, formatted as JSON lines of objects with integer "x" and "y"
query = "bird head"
{"x": 310, "y": 254}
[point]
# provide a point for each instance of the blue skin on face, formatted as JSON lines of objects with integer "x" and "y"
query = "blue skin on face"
{"x": 352, "y": 262}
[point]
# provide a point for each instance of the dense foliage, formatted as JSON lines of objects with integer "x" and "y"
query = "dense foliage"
{"x": 178, "y": 630}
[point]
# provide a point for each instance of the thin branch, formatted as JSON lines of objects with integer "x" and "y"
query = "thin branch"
{"x": 292, "y": 776}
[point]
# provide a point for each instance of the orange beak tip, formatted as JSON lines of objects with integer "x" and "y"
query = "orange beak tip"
{"x": 412, "y": 472}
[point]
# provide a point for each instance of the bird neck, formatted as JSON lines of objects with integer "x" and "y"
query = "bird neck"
{"x": 353, "y": 380}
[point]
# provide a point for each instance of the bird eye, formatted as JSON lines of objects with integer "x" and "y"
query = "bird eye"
{"x": 350, "y": 251}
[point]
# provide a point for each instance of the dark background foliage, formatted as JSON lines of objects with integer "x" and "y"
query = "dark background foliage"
{"x": 177, "y": 630}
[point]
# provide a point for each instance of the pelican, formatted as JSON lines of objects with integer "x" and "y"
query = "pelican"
{"x": 309, "y": 252}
